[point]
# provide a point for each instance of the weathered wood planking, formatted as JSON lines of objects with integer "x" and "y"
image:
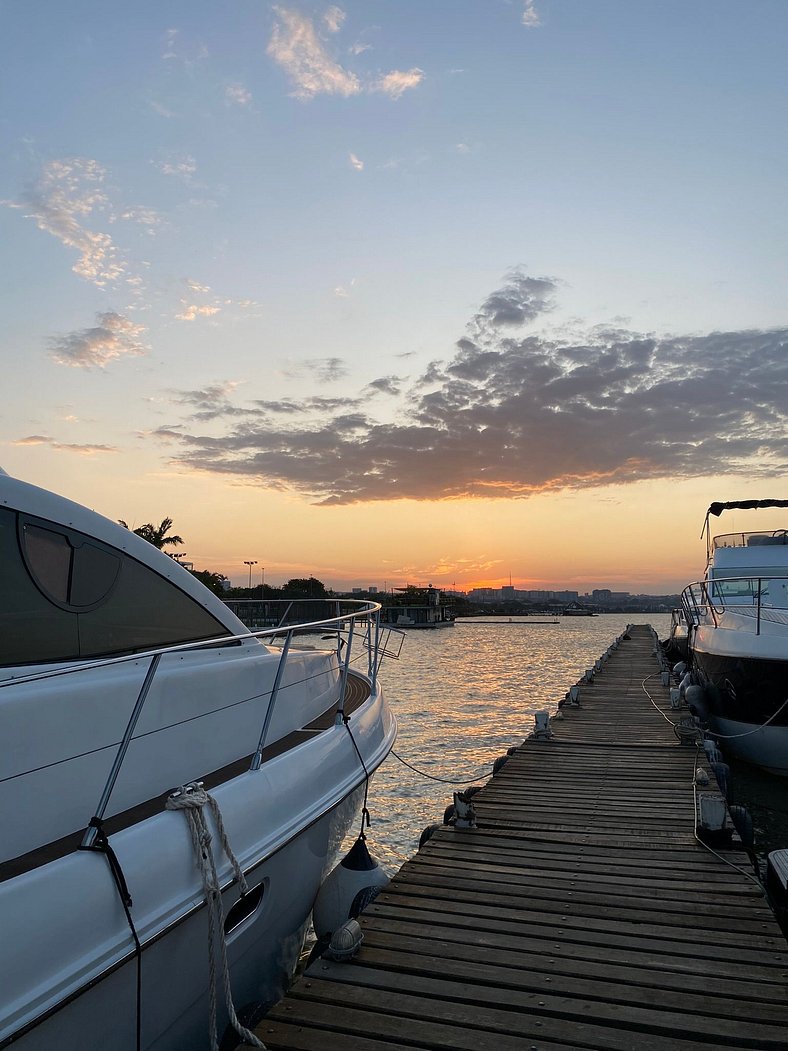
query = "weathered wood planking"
{"x": 581, "y": 913}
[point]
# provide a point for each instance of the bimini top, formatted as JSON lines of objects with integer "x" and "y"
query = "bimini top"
{"x": 718, "y": 507}
{"x": 743, "y": 505}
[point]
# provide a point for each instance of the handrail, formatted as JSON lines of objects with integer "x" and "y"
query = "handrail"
{"x": 704, "y": 598}
{"x": 369, "y": 611}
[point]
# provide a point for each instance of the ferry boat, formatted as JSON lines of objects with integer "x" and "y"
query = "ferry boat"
{"x": 128, "y": 692}
{"x": 737, "y": 620}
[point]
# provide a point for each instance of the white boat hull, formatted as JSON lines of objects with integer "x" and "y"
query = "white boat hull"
{"x": 262, "y": 954}
{"x": 67, "y": 964}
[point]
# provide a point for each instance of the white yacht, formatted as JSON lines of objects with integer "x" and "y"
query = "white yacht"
{"x": 127, "y": 689}
{"x": 738, "y": 638}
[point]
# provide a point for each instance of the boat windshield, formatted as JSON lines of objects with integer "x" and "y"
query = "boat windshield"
{"x": 760, "y": 538}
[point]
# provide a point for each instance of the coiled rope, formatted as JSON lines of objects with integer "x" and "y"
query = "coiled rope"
{"x": 192, "y": 799}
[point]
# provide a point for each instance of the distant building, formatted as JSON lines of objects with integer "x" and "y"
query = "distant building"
{"x": 372, "y": 590}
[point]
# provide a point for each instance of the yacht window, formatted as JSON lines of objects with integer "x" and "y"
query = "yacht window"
{"x": 49, "y": 561}
{"x": 66, "y": 596}
{"x": 77, "y": 575}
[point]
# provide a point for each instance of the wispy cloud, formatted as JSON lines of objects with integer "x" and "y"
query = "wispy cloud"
{"x": 68, "y": 447}
{"x": 342, "y": 291}
{"x": 192, "y": 311}
{"x": 516, "y": 412}
{"x": 182, "y": 167}
{"x": 397, "y": 82}
{"x": 66, "y": 195}
{"x": 297, "y": 45}
{"x": 333, "y": 19}
{"x": 113, "y": 337}
{"x": 168, "y": 47}
{"x": 327, "y": 370}
{"x": 530, "y": 15}
{"x": 238, "y": 95}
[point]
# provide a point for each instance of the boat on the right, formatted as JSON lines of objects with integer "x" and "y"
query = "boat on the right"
{"x": 737, "y": 619}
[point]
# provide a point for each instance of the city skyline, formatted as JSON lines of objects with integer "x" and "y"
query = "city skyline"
{"x": 367, "y": 291}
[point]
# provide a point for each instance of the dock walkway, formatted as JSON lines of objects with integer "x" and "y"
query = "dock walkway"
{"x": 581, "y": 912}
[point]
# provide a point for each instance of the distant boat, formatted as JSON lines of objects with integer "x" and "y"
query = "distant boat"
{"x": 418, "y": 608}
{"x": 574, "y": 609}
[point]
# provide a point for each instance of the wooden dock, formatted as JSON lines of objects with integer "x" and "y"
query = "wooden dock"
{"x": 581, "y": 912}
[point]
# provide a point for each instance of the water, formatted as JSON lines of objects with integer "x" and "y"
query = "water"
{"x": 463, "y": 695}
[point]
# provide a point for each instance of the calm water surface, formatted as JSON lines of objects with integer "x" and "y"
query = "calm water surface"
{"x": 463, "y": 695}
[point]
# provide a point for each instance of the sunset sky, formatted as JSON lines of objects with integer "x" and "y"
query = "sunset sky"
{"x": 426, "y": 291}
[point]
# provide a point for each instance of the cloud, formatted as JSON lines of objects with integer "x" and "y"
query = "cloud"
{"x": 343, "y": 292}
{"x": 182, "y": 167}
{"x": 144, "y": 216}
{"x": 238, "y": 95}
{"x": 69, "y": 447}
{"x": 113, "y": 337}
{"x": 327, "y": 370}
{"x": 210, "y": 402}
{"x": 296, "y": 45}
{"x": 531, "y": 17}
{"x": 514, "y": 413}
{"x": 397, "y": 82}
{"x": 297, "y": 48}
{"x": 66, "y": 194}
{"x": 191, "y": 311}
{"x": 356, "y": 163}
{"x": 333, "y": 18}
{"x": 385, "y": 385}
{"x": 520, "y": 300}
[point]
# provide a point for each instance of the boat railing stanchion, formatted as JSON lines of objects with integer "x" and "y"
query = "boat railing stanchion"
{"x": 91, "y": 831}
{"x": 758, "y": 610}
{"x": 257, "y": 758}
{"x": 340, "y": 717}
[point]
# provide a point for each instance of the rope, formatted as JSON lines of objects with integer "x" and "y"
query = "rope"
{"x": 192, "y": 799}
{"x": 102, "y": 845}
{"x": 721, "y": 857}
{"x": 365, "y": 818}
{"x": 733, "y": 737}
{"x": 443, "y": 780}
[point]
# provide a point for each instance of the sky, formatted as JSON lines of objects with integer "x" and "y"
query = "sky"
{"x": 400, "y": 291}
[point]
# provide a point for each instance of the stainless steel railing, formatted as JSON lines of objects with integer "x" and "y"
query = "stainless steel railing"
{"x": 364, "y": 616}
{"x": 756, "y": 599}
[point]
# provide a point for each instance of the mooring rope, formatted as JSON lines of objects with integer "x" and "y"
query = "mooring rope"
{"x": 698, "y": 744}
{"x": 192, "y": 799}
{"x": 443, "y": 780}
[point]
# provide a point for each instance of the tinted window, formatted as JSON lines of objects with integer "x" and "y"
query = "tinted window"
{"x": 49, "y": 561}
{"x": 64, "y": 596}
{"x": 31, "y": 627}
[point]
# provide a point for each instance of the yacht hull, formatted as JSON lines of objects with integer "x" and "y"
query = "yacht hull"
{"x": 262, "y": 953}
{"x": 745, "y": 702}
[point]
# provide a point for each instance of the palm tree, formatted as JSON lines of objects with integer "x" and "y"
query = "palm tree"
{"x": 156, "y": 535}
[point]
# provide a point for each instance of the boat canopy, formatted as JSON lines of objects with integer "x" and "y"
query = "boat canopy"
{"x": 743, "y": 505}
{"x": 717, "y": 507}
